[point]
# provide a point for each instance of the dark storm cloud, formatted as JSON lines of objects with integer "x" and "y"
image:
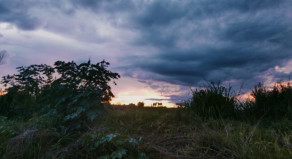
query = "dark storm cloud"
{"x": 159, "y": 20}
{"x": 15, "y": 12}
{"x": 105, "y": 6}
{"x": 273, "y": 29}
{"x": 3, "y": 9}
{"x": 187, "y": 41}
{"x": 91, "y": 3}
{"x": 225, "y": 40}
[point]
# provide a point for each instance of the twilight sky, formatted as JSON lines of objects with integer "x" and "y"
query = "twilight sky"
{"x": 160, "y": 47}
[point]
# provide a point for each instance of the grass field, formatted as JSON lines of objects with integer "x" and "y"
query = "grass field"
{"x": 42, "y": 117}
{"x": 151, "y": 133}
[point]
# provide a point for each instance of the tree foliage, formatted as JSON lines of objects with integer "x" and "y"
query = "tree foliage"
{"x": 69, "y": 90}
{"x": 140, "y": 104}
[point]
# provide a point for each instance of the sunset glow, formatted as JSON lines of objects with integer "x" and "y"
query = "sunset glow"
{"x": 137, "y": 92}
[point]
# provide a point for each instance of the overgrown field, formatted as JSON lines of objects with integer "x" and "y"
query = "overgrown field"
{"x": 149, "y": 133}
{"x": 63, "y": 112}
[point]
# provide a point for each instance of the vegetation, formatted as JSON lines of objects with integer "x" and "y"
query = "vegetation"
{"x": 63, "y": 111}
{"x": 214, "y": 101}
{"x": 217, "y": 101}
{"x": 140, "y": 104}
{"x": 275, "y": 103}
{"x": 74, "y": 96}
{"x": 152, "y": 133}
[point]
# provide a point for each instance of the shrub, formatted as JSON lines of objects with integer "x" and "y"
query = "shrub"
{"x": 215, "y": 101}
{"x": 140, "y": 104}
{"x": 275, "y": 103}
{"x": 75, "y": 93}
{"x": 16, "y": 104}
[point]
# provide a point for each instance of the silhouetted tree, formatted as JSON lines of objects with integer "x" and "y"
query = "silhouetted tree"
{"x": 132, "y": 105}
{"x": 140, "y": 104}
{"x": 76, "y": 93}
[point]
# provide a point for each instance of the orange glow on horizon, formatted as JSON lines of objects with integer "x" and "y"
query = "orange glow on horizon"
{"x": 1, "y": 92}
{"x": 141, "y": 96}
{"x": 135, "y": 92}
{"x": 246, "y": 96}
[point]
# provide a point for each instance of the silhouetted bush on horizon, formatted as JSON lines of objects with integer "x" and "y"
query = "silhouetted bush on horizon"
{"x": 214, "y": 101}
{"x": 78, "y": 88}
{"x": 218, "y": 101}
{"x": 275, "y": 103}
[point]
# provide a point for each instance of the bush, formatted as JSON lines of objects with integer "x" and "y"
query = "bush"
{"x": 16, "y": 104}
{"x": 275, "y": 103}
{"x": 215, "y": 101}
{"x": 140, "y": 104}
{"x": 73, "y": 93}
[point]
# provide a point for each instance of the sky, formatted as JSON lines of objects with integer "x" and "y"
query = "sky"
{"x": 162, "y": 48}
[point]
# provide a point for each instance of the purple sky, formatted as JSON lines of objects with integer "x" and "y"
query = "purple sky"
{"x": 161, "y": 48}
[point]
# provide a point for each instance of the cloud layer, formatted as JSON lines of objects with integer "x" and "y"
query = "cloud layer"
{"x": 172, "y": 41}
{"x": 222, "y": 40}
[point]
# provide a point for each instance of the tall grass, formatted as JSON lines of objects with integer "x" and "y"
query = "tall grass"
{"x": 274, "y": 103}
{"x": 215, "y": 101}
{"x": 218, "y": 101}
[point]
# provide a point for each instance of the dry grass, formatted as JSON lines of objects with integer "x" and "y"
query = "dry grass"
{"x": 160, "y": 133}
{"x": 176, "y": 133}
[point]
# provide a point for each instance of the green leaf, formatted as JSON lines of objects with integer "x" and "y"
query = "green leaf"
{"x": 75, "y": 114}
{"x": 132, "y": 140}
{"x": 91, "y": 115}
{"x": 118, "y": 154}
{"x": 107, "y": 138}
